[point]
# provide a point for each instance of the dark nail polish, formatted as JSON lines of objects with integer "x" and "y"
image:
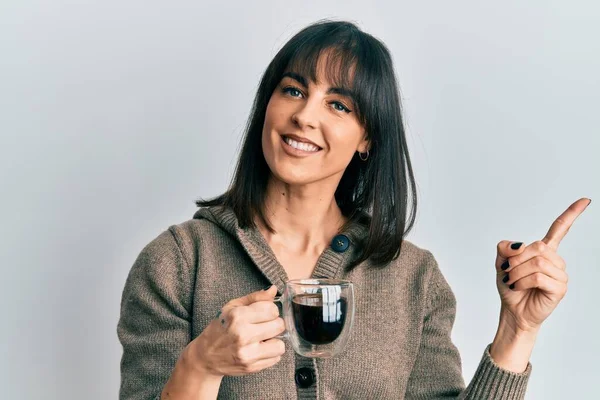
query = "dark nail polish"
{"x": 505, "y": 265}
{"x": 512, "y": 286}
{"x": 516, "y": 246}
{"x": 267, "y": 288}
{"x": 505, "y": 279}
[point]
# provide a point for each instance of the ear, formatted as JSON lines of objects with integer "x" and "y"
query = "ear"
{"x": 365, "y": 144}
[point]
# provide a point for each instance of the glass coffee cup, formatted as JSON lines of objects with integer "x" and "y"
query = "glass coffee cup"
{"x": 318, "y": 315}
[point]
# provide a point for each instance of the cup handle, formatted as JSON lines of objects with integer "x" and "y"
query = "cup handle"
{"x": 285, "y": 334}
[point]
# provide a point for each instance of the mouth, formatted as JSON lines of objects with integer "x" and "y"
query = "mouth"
{"x": 307, "y": 147}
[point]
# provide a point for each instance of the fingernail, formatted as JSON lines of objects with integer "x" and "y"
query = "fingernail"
{"x": 512, "y": 286}
{"x": 515, "y": 246}
{"x": 267, "y": 288}
{"x": 505, "y": 279}
{"x": 505, "y": 265}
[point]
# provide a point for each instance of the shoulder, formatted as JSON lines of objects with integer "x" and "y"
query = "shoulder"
{"x": 414, "y": 254}
{"x": 194, "y": 230}
{"x": 198, "y": 230}
{"x": 424, "y": 268}
{"x": 200, "y": 235}
{"x": 175, "y": 244}
{"x": 415, "y": 258}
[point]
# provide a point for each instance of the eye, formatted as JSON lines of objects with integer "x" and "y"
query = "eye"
{"x": 292, "y": 91}
{"x": 340, "y": 107}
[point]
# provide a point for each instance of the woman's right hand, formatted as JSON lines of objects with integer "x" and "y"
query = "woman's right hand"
{"x": 241, "y": 340}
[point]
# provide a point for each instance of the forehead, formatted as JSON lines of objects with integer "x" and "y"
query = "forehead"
{"x": 328, "y": 68}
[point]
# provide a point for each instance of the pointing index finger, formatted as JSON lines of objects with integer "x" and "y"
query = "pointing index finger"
{"x": 563, "y": 223}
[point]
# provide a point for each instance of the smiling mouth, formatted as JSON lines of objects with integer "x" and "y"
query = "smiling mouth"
{"x": 307, "y": 147}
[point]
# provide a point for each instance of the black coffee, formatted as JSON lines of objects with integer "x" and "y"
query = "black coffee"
{"x": 316, "y": 323}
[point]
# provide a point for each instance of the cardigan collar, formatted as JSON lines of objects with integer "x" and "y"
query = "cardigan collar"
{"x": 331, "y": 263}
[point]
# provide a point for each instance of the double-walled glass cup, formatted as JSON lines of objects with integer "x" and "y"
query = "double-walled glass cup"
{"x": 318, "y": 315}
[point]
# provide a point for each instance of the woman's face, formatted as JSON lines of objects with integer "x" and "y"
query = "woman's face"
{"x": 311, "y": 131}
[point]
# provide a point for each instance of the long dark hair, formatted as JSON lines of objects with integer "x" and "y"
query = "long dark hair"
{"x": 375, "y": 192}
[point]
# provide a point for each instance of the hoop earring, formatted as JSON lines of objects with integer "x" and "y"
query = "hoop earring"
{"x": 360, "y": 155}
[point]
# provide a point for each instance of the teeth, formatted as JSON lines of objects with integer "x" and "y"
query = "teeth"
{"x": 300, "y": 146}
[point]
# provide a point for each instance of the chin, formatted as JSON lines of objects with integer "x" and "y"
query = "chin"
{"x": 291, "y": 177}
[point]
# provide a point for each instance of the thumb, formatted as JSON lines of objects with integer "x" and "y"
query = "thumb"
{"x": 261, "y": 295}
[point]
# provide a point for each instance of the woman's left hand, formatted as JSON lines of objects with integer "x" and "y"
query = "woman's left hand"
{"x": 532, "y": 279}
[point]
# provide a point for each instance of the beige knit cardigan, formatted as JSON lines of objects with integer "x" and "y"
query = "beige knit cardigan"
{"x": 400, "y": 345}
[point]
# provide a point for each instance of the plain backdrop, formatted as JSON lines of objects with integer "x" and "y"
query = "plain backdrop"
{"x": 116, "y": 115}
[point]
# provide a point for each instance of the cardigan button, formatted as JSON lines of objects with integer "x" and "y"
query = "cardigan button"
{"x": 340, "y": 243}
{"x": 305, "y": 377}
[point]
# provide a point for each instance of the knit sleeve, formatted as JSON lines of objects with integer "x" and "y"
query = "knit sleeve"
{"x": 437, "y": 373}
{"x": 154, "y": 324}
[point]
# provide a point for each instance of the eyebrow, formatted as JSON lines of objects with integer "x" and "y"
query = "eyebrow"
{"x": 332, "y": 90}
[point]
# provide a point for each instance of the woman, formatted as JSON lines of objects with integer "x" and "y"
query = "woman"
{"x": 322, "y": 190}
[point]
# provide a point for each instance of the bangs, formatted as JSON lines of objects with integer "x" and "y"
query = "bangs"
{"x": 340, "y": 61}
{"x": 333, "y": 65}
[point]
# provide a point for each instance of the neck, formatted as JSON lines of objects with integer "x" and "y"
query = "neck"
{"x": 304, "y": 218}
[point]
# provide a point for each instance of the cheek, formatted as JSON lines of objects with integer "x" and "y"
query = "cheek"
{"x": 344, "y": 140}
{"x": 277, "y": 120}
{"x": 267, "y": 128}
{"x": 268, "y": 116}
{"x": 276, "y": 112}
{"x": 270, "y": 138}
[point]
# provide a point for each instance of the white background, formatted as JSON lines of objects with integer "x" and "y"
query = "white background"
{"x": 116, "y": 115}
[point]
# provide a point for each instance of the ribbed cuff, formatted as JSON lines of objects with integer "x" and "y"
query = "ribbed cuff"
{"x": 493, "y": 382}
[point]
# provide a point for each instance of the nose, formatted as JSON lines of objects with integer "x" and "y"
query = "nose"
{"x": 306, "y": 116}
